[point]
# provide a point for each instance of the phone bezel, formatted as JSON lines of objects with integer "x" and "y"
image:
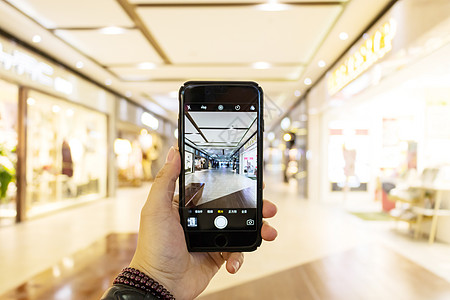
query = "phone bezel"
{"x": 246, "y": 240}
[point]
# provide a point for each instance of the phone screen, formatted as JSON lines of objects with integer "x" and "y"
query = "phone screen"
{"x": 220, "y": 158}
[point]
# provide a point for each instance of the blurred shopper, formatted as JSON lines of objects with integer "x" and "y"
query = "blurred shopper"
{"x": 162, "y": 268}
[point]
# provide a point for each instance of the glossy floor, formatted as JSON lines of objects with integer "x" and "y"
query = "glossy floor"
{"x": 310, "y": 235}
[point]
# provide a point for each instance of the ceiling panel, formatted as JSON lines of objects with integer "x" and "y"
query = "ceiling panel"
{"x": 223, "y": 136}
{"x": 209, "y": 35}
{"x": 208, "y": 73}
{"x": 128, "y": 48}
{"x": 223, "y": 119}
{"x": 195, "y": 138}
{"x": 74, "y": 13}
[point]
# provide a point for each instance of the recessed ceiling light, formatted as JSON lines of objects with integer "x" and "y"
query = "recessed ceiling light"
{"x": 79, "y": 64}
{"x": 31, "y": 101}
{"x": 297, "y": 93}
{"x": 343, "y": 35}
{"x": 108, "y": 81}
{"x": 128, "y": 94}
{"x": 273, "y": 5}
{"x": 146, "y": 66}
{"x": 112, "y": 30}
{"x": 308, "y": 81}
{"x": 36, "y": 38}
{"x": 261, "y": 65}
{"x": 321, "y": 63}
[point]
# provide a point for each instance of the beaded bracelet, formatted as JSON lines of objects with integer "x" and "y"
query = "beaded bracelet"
{"x": 137, "y": 279}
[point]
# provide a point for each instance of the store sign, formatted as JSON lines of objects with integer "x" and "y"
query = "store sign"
{"x": 25, "y": 65}
{"x": 250, "y": 142}
{"x": 373, "y": 49}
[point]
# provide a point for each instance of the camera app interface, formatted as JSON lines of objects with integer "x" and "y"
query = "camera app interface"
{"x": 220, "y": 165}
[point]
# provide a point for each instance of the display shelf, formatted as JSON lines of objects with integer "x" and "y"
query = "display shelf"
{"x": 430, "y": 212}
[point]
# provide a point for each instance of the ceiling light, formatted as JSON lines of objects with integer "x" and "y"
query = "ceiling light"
{"x": 321, "y": 63}
{"x": 297, "y": 93}
{"x": 112, "y": 30}
{"x": 343, "y": 35}
{"x": 285, "y": 123}
{"x": 308, "y": 81}
{"x": 79, "y": 64}
{"x": 149, "y": 120}
{"x": 108, "y": 81}
{"x": 128, "y": 94}
{"x": 273, "y": 5}
{"x": 31, "y": 101}
{"x": 261, "y": 65}
{"x": 36, "y": 38}
{"x": 146, "y": 66}
{"x": 287, "y": 137}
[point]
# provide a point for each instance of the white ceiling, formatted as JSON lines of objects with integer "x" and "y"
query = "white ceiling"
{"x": 167, "y": 42}
{"x": 221, "y": 129}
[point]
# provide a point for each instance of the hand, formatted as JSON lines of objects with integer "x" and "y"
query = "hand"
{"x": 161, "y": 250}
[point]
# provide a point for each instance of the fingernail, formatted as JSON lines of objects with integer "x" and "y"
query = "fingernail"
{"x": 170, "y": 155}
{"x": 236, "y": 266}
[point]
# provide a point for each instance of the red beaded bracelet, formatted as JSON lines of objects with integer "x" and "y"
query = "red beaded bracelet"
{"x": 137, "y": 279}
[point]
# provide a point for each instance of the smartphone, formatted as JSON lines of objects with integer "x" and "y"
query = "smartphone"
{"x": 221, "y": 144}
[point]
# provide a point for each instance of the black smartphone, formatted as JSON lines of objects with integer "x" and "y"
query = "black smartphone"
{"x": 221, "y": 143}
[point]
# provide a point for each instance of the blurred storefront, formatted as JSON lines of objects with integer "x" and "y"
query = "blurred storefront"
{"x": 57, "y": 133}
{"x": 54, "y": 125}
{"x": 8, "y": 150}
{"x": 286, "y": 152}
{"x": 381, "y": 114}
{"x": 141, "y": 143}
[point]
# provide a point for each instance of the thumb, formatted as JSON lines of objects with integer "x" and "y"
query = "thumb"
{"x": 161, "y": 193}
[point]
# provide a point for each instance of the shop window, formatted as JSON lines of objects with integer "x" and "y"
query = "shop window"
{"x": 66, "y": 154}
{"x": 8, "y": 157}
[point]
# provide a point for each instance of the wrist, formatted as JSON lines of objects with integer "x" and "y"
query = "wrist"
{"x": 135, "y": 278}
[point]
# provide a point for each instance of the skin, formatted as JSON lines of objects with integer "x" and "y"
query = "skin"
{"x": 162, "y": 252}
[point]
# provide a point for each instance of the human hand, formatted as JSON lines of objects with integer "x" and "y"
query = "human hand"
{"x": 161, "y": 250}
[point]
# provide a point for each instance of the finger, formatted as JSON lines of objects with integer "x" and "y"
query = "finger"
{"x": 163, "y": 188}
{"x": 268, "y": 233}
{"x": 234, "y": 261}
{"x": 269, "y": 209}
